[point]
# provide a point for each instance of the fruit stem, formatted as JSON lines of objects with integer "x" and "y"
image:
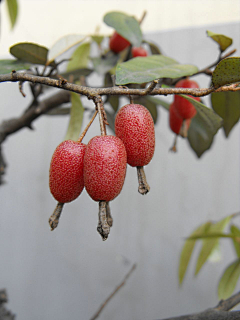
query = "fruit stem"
{"x": 184, "y": 129}
{"x": 87, "y": 127}
{"x": 102, "y": 115}
{"x": 174, "y": 147}
{"x": 143, "y": 187}
{"x": 109, "y": 217}
{"x": 103, "y": 227}
{"x": 54, "y": 219}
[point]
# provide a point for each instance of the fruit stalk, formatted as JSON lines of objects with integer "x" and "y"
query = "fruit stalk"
{"x": 103, "y": 227}
{"x": 109, "y": 217}
{"x": 100, "y": 109}
{"x": 143, "y": 186}
{"x": 87, "y": 127}
{"x": 54, "y": 219}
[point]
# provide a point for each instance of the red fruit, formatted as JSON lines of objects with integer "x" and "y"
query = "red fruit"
{"x": 185, "y": 109}
{"x": 134, "y": 126}
{"x": 117, "y": 43}
{"x": 176, "y": 122}
{"x": 139, "y": 52}
{"x": 66, "y": 171}
{"x": 105, "y": 164}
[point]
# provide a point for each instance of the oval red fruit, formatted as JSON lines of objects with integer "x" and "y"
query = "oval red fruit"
{"x": 105, "y": 164}
{"x": 175, "y": 121}
{"x": 135, "y": 127}
{"x": 117, "y": 43}
{"x": 185, "y": 108}
{"x": 66, "y": 171}
{"x": 139, "y": 52}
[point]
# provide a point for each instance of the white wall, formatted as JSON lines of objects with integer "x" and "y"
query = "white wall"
{"x": 66, "y": 274}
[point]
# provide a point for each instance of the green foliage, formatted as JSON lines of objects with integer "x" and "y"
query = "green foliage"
{"x": 29, "y": 52}
{"x": 79, "y": 59}
{"x": 203, "y": 127}
{"x": 229, "y": 280}
{"x": 12, "y": 6}
{"x": 127, "y": 26}
{"x": 223, "y": 41}
{"x": 76, "y": 118}
{"x": 236, "y": 241}
{"x": 145, "y": 69}
{"x": 226, "y": 72}
{"x": 227, "y": 106}
{"x": 9, "y": 65}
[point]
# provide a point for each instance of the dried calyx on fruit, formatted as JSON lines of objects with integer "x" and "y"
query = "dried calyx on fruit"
{"x": 117, "y": 43}
{"x": 139, "y": 52}
{"x": 66, "y": 175}
{"x": 105, "y": 164}
{"x": 135, "y": 127}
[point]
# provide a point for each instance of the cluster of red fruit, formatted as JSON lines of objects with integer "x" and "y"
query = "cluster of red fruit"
{"x": 117, "y": 44}
{"x": 100, "y": 166}
{"x": 181, "y": 111}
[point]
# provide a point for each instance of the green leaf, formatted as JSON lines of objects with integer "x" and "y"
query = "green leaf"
{"x": 227, "y": 106}
{"x": 9, "y": 65}
{"x": 226, "y": 72}
{"x": 111, "y": 120}
{"x": 77, "y": 73}
{"x": 146, "y": 69}
{"x": 30, "y": 52}
{"x": 76, "y": 118}
{"x": 97, "y": 39}
{"x": 114, "y": 102}
{"x": 63, "y": 45}
{"x": 223, "y": 41}
{"x": 12, "y": 6}
{"x": 203, "y": 127}
{"x": 160, "y": 102}
{"x": 153, "y": 47}
{"x": 210, "y": 244}
{"x": 79, "y": 58}
{"x": 150, "y": 104}
{"x": 105, "y": 63}
{"x": 236, "y": 242}
{"x": 229, "y": 280}
{"x": 212, "y": 235}
{"x": 187, "y": 251}
{"x": 127, "y": 26}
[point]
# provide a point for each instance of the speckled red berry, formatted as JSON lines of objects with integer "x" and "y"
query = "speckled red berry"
{"x": 185, "y": 108}
{"x": 176, "y": 122}
{"x": 117, "y": 43}
{"x": 66, "y": 171}
{"x": 134, "y": 126}
{"x": 139, "y": 52}
{"x": 105, "y": 164}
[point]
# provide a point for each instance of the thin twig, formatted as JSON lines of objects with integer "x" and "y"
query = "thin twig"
{"x": 87, "y": 127}
{"x": 114, "y": 292}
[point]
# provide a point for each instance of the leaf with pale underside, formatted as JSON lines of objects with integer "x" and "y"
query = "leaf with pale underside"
{"x": 30, "y": 52}
{"x": 79, "y": 58}
{"x": 229, "y": 280}
{"x": 76, "y": 118}
{"x": 226, "y": 72}
{"x": 209, "y": 245}
{"x": 188, "y": 249}
{"x": 9, "y": 65}
{"x": 227, "y": 106}
{"x": 12, "y": 6}
{"x": 203, "y": 127}
{"x": 127, "y": 26}
{"x": 98, "y": 39}
{"x": 63, "y": 45}
{"x": 146, "y": 69}
{"x": 223, "y": 41}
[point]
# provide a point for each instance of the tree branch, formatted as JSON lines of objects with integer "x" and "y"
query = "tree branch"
{"x": 10, "y": 126}
{"x": 91, "y": 93}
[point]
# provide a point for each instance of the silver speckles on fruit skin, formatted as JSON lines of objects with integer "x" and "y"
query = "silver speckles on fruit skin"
{"x": 135, "y": 127}
{"x": 66, "y": 171}
{"x": 105, "y": 164}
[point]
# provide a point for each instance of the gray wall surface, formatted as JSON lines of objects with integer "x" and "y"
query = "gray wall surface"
{"x": 68, "y": 273}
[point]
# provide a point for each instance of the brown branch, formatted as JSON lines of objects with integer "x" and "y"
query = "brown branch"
{"x": 228, "y": 304}
{"x": 96, "y": 315}
{"x": 91, "y": 93}
{"x": 10, "y": 126}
